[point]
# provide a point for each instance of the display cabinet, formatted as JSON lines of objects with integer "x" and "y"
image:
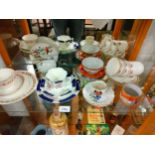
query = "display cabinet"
{"x": 79, "y": 113}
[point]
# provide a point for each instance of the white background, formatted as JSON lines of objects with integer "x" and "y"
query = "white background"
{"x": 78, "y": 145}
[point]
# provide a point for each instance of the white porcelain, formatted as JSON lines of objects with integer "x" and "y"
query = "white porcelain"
{"x": 30, "y": 39}
{"x": 113, "y": 66}
{"x": 7, "y": 76}
{"x": 102, "y": 100}
{"x": 47, "y": 40}
{"x": 92, "y": 64}
{"x": 56, "y": 74}
{"x": 64, "y": 38}
{"x": 121, "y": 67}
{"x": 90, "y": 48}
{"x": 111, "y": 47}
{"x": 84, "y": 42}
{"x": 122, "y": 79}
{"x": 61, "y": 92}
{"x": 137, "y": 68}
{"x": 46, "y": 65}
{"x": 98, "y": 86}
{"x": 29, "y": 85}
{"x": 12, "y": 87}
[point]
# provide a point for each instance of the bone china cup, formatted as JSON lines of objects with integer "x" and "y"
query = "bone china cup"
{"x": 7, "y": 76}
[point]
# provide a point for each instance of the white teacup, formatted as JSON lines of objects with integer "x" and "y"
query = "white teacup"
{"x": 64, "y": 41}
{"x": 30, "y": 39}
{"x": 92, "y": 64}
{"x": 57, "y": 76}
{"x": 120, "y": 67}
{"x": 98, "y": 89}
{"x": 7, "y": 76}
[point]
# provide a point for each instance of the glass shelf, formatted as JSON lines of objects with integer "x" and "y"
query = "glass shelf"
{"x": 39, "y": 110}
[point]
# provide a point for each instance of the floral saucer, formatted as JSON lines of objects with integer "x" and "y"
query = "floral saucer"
{"x": 98, "y": 99}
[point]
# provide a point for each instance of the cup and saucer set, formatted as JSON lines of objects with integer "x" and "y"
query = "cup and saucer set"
{"x": 14, "y": 87}
{"x": 66, "y": 44}
{"x": 58, "y": 88}
{"x": 113, "y": 48}
{"x": 90, "y": 69}
{"x": 98, "y": 94}
{"x": 39, "y": 48}
{"x": 89, "y": 47}
{"x": 123, "y": 71}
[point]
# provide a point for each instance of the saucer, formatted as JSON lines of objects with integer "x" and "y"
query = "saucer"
{"x": 81, "y": 55}
{"x": 58, "y": 95}
{"x": 105, "y": 100}
{"x": 69, "y": 49}
{"x": 26, "y": 49}
{"x": 126, "y": 79}
{"x": 83, "y": 42}
{"x": 97, "y": 75}
{"x": 28, "y": 86}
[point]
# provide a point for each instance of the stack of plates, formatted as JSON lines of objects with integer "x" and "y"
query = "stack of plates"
{"x": 47, "y": 91}
{"x": 22, "y": 85}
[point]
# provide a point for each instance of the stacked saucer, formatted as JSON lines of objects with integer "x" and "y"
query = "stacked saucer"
{"x": 123, "y": 71}
{"x": 92, "y": 67}
{"x": 89, "y": 47}
{"x": 113, "y": 48}
{"x": 57, "y": 87}
{"x": 15, "y": 85}
{"x": 98, "y": 94}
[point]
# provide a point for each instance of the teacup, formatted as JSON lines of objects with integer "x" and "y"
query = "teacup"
{"x": 98, "y": 89}
{"x": 57, "y": 76}
{"x": 120, "y": 67}
{"x": 131, "y": 93}
{"x": 92, "y": 64}
{"x": 89, "y": 39}
{"x": 64, "y": 41}
{"x": 7, "y": 76}
{"x": 9, "y": 82}
{"x": 30, "y": 39}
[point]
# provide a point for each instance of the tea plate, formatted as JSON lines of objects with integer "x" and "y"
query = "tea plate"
{"x": 29, "y": 85}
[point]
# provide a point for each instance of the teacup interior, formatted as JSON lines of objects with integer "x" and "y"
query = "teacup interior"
{"x": 133, "y": 90}
{"x": 92, "y": 63}
{"x": 99, "y": 86}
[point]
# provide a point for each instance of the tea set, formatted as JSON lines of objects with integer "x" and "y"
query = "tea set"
{"x": 66, "y": 44}
{"x": 57, "y": 87}
{"x": 113, "y": 48}
{"x": 89, "y": 47}
{"x": 124, "y": 71}
{"x": 39, "y": 48}
{"x": 98, "y": 94}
